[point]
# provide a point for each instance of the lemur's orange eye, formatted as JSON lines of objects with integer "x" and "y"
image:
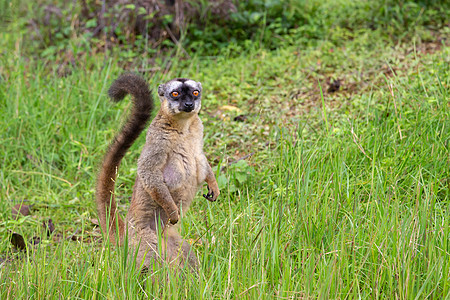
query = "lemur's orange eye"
{"x": 195, "y": 93}
{"x": 175, "y": 94}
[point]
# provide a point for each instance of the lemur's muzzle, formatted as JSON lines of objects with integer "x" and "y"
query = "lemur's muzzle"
{"x": 188, "y": 107}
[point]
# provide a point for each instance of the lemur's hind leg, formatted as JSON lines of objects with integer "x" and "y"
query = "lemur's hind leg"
{"x": 177, "y": 250}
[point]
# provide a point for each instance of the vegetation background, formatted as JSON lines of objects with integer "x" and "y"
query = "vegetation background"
{"x": 327, "y": 123}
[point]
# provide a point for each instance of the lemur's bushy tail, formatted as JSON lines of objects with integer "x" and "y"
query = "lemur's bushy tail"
{"x": 142, "y": 99}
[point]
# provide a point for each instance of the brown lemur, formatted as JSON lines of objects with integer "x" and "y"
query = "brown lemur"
{"x": 170, "y": 169}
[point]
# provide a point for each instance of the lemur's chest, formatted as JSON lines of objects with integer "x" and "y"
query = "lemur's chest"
{"x": 182, "y": 164}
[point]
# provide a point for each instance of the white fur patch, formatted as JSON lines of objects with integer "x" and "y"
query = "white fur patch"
{"x": 173, "y": 85}
{"x": 192, "y": 84}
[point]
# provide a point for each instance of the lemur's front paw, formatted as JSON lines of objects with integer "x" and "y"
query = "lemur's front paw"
{"x": 174, "y": 217}
{"x": 212, "y": 194}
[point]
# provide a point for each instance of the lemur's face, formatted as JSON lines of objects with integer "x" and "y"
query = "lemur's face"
{"x": 181, "y": 96}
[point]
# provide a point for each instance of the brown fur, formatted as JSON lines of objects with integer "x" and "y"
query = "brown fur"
{"x": 171, "y": 168}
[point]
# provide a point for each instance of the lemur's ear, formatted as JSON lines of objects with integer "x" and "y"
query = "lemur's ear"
{"x": 161, "y": 90}
{"x": 199, "y": 85}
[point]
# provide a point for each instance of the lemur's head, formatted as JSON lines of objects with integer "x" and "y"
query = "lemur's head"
{"x": 181, "y": 96}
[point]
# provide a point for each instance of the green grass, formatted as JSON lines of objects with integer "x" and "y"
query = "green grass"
{"x": 346, "y": 194}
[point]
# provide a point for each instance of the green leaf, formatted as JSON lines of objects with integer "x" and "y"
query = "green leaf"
{"x": 142, "y": 11}
{"x": 222, "y": 181}
{"x": 91, "y": 23}
{"x": 241, "y": 177}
